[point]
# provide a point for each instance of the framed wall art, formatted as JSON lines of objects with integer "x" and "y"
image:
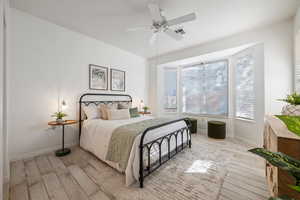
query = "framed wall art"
{"x": 117, "y": 80}
{"x": 98, "y": 77}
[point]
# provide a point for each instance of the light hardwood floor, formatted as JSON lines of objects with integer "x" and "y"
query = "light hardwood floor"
{"x": 211, "y": 170}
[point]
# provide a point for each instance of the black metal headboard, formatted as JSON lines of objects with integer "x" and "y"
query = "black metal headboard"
{"x": 86, "y": 99}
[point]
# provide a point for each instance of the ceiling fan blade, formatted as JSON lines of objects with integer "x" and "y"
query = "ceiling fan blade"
{"x": 155, "y": 12}
{"x": 182, "y": 19}
{"x": 173, "y": 34}
{"x": 141, "y": 28}
{"x": 153, "y": 38}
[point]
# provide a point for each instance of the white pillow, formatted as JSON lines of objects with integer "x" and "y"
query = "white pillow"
{"x": 92, "y": 111}
{"x": 114, "y": 114}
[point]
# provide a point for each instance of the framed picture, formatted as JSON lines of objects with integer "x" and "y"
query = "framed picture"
{"x": 98, "y": 77}
{"x": 117, "y": 80}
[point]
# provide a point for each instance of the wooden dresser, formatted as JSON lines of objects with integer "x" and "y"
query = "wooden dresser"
{"x": 278, "y": 138}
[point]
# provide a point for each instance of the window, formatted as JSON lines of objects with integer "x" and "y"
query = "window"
{"x": 245, "y": 95}
{"x": 205, "y": 88}
{"x": 193, "y": 89}
{"x": 216, "y": 91}
{"x": 170, "y": 89}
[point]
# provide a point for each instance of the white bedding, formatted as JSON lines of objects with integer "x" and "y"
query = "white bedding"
{"x": 96, "y": 134}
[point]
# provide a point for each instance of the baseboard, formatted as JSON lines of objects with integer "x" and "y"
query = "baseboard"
{"x": 40, "y": 152}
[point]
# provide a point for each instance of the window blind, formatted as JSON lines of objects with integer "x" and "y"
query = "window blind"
{"x": 170, "y": 89}
{"x": 245, "y": 94}
{"x": 205, "y": 88}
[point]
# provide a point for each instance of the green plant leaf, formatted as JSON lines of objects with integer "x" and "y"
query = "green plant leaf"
{"x": 293, "y": 99}
{"x": 281, "y": 161}
{"x": 295, "y": 187}
{"x": 59, "y": 115}
{"x": 281, "y": 198}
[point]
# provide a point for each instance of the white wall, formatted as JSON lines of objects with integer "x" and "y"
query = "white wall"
{"x": 297, "y": 51}
{"x": 278, "y": 51}
{"x": 1, "y": 99}
{"x": 297, "y": 21}
{"x": 6, "y": 169}
{"x": 4, "y": 164}
{"x": 48, "y": 60}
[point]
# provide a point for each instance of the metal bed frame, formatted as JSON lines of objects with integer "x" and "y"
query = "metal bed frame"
{"x": 149, "y": 168}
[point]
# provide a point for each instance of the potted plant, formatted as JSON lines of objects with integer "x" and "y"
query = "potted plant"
{"x": 59, "y": 116}
{"x": 146, "y": 108}
{"x": 283, "y": 162}
{"x": 293, "y": 107}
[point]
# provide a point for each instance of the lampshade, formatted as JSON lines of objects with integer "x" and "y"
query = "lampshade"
{"x": 142, "y": 105}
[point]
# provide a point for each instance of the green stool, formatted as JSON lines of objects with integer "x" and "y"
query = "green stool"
{"x": 193, "y": 128}
{"x": 216, "y": 129}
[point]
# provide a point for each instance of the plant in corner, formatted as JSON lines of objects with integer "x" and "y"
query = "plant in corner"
{"x": 293, "y": 107}
{"x": 59, "y": 116}
{"x": 293, "y": 99}
{"x": 145, "y": 108}
{"x": 283, "y": 162}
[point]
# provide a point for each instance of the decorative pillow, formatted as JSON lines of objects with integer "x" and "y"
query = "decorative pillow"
{"x": 103, "y": 111}
{"x": 92, "y": 111}
{"x": 124, "y": 105}
{"x": 104, "y": 108}
{"x": 115, "y": 114}
{"x": 134, "y": 112}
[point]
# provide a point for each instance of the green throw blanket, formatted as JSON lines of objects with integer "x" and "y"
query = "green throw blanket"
{"x": 123, "y": 138}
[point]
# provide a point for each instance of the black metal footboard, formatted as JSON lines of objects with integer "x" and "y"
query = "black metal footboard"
{"x": 145, "y": 171}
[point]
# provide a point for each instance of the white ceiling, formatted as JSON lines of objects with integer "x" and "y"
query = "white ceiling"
{"x": 107, "y": 20}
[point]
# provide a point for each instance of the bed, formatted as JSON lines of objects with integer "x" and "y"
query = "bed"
{"x": 159, "y": 141}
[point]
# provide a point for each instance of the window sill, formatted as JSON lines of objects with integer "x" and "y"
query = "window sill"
{"x": 207, "y": 116}
{"x": 246, "y": 120}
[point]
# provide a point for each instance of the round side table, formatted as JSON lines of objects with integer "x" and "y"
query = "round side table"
{"x": 145, "y": 113}
{"x": 63, "y": 151}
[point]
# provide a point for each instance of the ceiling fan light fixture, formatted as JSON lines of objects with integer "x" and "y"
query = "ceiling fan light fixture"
{"x": 172, "y": 27}
{"x": 180, "y": 31}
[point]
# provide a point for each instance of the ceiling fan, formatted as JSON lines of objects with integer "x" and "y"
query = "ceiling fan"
{"x": 161, "y": 25}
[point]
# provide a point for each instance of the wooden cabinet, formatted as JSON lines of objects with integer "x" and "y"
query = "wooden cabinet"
{"x": 278, "y": 138}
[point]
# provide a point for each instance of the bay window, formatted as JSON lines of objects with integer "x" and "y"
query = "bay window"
{"x": 206, "y": 88}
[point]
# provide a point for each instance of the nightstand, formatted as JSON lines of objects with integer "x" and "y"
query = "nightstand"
{"x": 145, "y": 113}
{"x": 63, "y": 151}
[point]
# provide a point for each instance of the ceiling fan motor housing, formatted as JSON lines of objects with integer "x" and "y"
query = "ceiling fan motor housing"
{"x": 180, "y": 31}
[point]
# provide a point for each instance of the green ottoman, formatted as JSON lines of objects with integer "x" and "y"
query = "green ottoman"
{"x": 193, "y": 128}
{"x": 216, "y": 129}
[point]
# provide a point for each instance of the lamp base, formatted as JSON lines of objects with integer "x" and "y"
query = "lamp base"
{"x": 62, "y": 152}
